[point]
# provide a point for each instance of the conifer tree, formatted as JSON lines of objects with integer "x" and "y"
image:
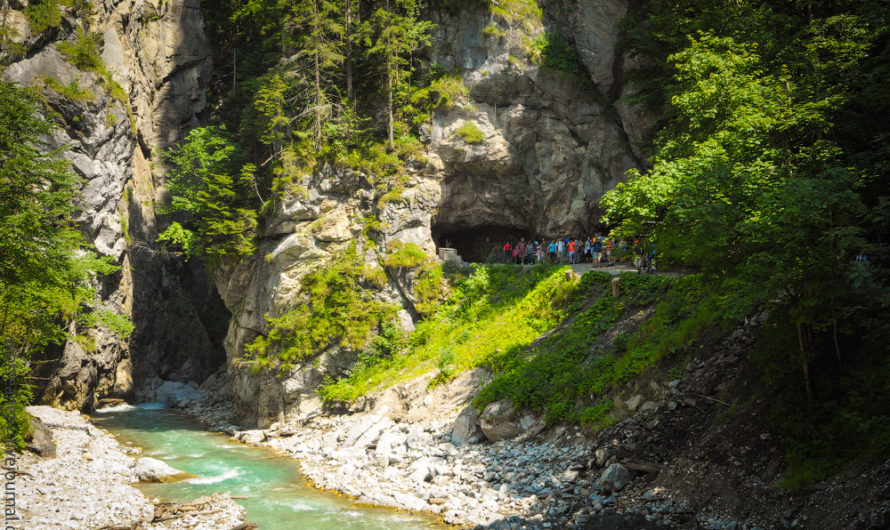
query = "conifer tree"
{"x": 396, "y": 32}
{"x": 317, "y": 34}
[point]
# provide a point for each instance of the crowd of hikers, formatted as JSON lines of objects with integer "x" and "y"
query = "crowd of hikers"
{"x": 598, "y": 250}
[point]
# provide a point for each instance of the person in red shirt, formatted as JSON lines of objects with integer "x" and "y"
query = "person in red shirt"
{"x": 507, "y": 249}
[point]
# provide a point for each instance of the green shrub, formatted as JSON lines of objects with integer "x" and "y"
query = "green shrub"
{"x": 470, "y": 132}
{"x": 493, "y": 30}
{"x": 335, "y": 310}
{"x": 404, "y": 255}
{"x": 43, "y": 15}
{"x": 84, "y": 51}
{"x": 553, "y": 50}
{"x": 71, "y": 91}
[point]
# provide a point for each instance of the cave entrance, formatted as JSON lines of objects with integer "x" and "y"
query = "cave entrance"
{"x": 478, "y": 244}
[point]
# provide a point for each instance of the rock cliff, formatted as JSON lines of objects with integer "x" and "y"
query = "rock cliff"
{"x": 551, "y": 144}
{"x": 546, "y": 144}
{"x": 126, "y": 79}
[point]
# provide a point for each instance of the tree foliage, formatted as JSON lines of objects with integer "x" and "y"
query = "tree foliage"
{"x": 770, "y": 174}
{"x": 44, "y": 271}
{"x": 210, "y": 196}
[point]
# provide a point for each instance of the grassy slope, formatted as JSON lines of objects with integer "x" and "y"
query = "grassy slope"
{"x": 540, "y": 332}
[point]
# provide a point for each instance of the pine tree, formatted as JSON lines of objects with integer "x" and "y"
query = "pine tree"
{"x": 395, "y": 33}
{"x": 317, "y": 34}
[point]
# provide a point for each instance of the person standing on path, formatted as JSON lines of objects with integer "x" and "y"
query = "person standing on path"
{"x": 507, "y": 249}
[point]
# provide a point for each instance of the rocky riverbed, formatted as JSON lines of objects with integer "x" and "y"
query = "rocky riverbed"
{"x": 422, "y": 449}
{"x": 87, "y": 484}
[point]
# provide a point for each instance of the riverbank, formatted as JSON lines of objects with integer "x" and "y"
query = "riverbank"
{"x": 417, "y": 448}
{"x": 87, "y": 485}
{"x": 687, "y": 452}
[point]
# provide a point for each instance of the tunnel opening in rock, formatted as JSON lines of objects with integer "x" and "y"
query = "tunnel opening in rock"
{"x": 479, "y": 244}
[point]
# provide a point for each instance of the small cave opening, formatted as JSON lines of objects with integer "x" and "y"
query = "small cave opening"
{"x": 478, "y": 244}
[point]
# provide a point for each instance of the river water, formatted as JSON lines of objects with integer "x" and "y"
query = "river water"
{"x": 277, "y": 497}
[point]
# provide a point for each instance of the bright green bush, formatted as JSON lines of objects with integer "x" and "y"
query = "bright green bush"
{"x": 71, "y": 91}
{"x": 489, "y": 310}
{"x": 84, "y": 51}
{"x": 334, "y": 310}
{"x": 43, "y": 15}
{"x": 470, "y": 132}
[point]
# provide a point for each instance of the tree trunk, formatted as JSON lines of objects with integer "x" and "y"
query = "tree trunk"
{"x": 317, "y": 104}
{"x": 392, "y": 143}
{"x": 350, "y": 95}
{"x": 389, "y": 81}
{"x": 317, "y": 86}
{"x": 805, "y": 364}
{"x": 837, "y": 346}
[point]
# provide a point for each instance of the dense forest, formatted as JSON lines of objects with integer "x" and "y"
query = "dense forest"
{"x": 769, "y": 175}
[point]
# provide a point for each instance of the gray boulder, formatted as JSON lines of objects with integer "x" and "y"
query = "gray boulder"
{"x": 41, "y": 439}
{"x": 149, "y": 469}
{"x": 613, "y": 478}
{"x": 392, "y": 446}
{"x": 500, "y": 421}
{"x": 466, "y": 427}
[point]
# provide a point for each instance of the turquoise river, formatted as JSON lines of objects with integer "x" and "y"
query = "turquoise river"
{"x": 275, "y": 495}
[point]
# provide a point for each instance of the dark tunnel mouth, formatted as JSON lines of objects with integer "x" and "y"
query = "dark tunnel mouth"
{"x": 482, "y": 243}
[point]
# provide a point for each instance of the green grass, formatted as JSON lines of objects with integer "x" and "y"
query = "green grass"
{"x": 491, "y": 309}
{"x": 43, "y": 15}
{"x": 540, "y": 333}
{"x": 429, "y": 283}
{"x": 493, "y": 30}
{"x": 404, "y": 255}
{"x": 568, "y": 374}
{"x": 84, "y": 51}
{"x": 470, "y": 132}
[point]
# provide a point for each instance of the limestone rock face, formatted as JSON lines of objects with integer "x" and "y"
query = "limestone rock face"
{"x": 551, "y": 147}
{"x": 305, "y": 233}
{"x": 157, "y": 55}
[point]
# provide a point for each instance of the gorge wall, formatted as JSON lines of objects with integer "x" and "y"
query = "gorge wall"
{"x": 117, "y": 113}
{"x": 551, "y": 145}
